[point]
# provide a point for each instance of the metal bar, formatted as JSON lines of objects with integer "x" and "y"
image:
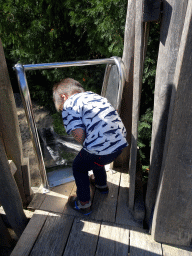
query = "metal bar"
{"x": 20, "y": 70}
{"x": 120, "y": 66}
{"x": 68, "y": 64}
{"x": 31, "y": 121}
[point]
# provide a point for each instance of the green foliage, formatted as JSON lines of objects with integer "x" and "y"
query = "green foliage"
{"x": 102, "y": 22}
{"x": 144, "y": 135}
{"x": 48, "y": 31}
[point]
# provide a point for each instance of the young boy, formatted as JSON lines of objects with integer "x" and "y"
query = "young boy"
{"x": 95, "y": 124}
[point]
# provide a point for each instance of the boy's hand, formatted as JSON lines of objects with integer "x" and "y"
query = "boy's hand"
{"x": 79, "y": 135}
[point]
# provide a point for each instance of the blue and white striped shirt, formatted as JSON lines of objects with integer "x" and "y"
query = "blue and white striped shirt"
{"x": 105, "y": 132}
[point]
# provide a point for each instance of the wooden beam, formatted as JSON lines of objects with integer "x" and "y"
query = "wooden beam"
{"x": 9, "y": 127}
{"x": 30, "y": 234}
{"x": 126, "y": 104}
{"x": 26, "y": 179}
{"x": 9, "y": 195}
{"x": 137, "y": 85}
{"x": 5, "y": 238}
{"x": 170, "y": 37}
{"x": 173, "y": 213}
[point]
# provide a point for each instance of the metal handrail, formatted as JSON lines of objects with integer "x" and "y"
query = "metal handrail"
{"x": 23, "y": 85}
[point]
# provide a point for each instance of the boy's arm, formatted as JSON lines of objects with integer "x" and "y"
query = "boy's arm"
{"x": 79, "y": 135}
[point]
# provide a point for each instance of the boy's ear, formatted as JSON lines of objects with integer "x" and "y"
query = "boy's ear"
{"x": 64, "y": 96}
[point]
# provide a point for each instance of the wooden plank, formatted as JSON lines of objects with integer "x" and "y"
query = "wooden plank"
{"x": 151, "y": 10}
{"x": 137, "y": 85}
{"x": 9, "y": 195}
{"x": 64, "y": 189}
{"x": 54, "y": 202}
{"x": 170, "y": 37}
{"x": 104, "y": 206}
{"x": 26, "y": 179}
{"x": 124, "y": 215}
{"x": 126, "y": 104}
{"x": 174, "y": 251}
{"x": 30, "y": 234}
{"x": 83, "y": 238}
{"x": 5, "y": 238}
{"x": 53, "y": 236}
{"x": 9, "y": 127}
{"x": 143, "y": 245}
{"x": 37, "y": 201}
{"x": 70, "y": 211}
{"x": 173, "y": 212}
{"x": 28, "y": 213}
{"x": 113, "y": 240}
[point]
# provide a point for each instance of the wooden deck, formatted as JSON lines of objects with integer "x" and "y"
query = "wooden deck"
{"x": 57, "y": 230}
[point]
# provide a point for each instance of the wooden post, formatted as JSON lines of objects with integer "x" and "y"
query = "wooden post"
{"x": 173, "y": 210}
{"x": 126, "y": 105}
{"x": 9, "y": 127}
{"x": 9, "y": 195}
{"x": 137, "y": 85}
{"x": 171, "y": 29}
{"x": 5, "y": 238}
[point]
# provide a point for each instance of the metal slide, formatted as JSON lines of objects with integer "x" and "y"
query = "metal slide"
{"x": 113, "y": 83}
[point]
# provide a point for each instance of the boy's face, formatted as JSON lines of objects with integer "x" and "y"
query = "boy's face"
{"x": 59, "y": 101}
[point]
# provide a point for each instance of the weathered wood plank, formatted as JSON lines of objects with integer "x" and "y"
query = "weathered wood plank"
{"x": 30, "y": 234}
{"x": 9, "y": 195}
{"x": 9, "y": 127}
{"x": 54, "y": 235}
{"x": 104, "y": 206}
{"x": 37, "y": 201}
{"x": 173, "y": 208}
{"x": 64, "y": 189}
{"x": 5, "y": 238}
{"x": 151, "y": 10}
{"x": 143, "y": 245}
{"x": 26, "y": 179}
{"x": 173, "y": 251}
{"x": 170, "y": 37}
{"x": 113, "y": 240}
{"x": 83, "y": 238}
{"x": 137, "y": 85}
{"x": 124, "y": 215}
{"x": 28, "y": 213}
{"x": 54, "y": 202}
{"x": 126, "y": 104}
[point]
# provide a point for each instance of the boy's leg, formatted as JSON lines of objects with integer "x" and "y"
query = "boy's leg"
{"x": 99, "y": 168}
{"x": 80, "y": 173}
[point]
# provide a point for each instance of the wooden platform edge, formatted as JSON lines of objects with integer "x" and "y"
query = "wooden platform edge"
{"x": 30, "y": 234}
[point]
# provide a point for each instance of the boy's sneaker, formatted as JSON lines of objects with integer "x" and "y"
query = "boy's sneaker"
{"x": 75, "y": 204}
{"x": 102, "y": 189}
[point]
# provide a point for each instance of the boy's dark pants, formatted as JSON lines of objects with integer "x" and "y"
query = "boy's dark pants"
{"x": 85, "y": 162}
